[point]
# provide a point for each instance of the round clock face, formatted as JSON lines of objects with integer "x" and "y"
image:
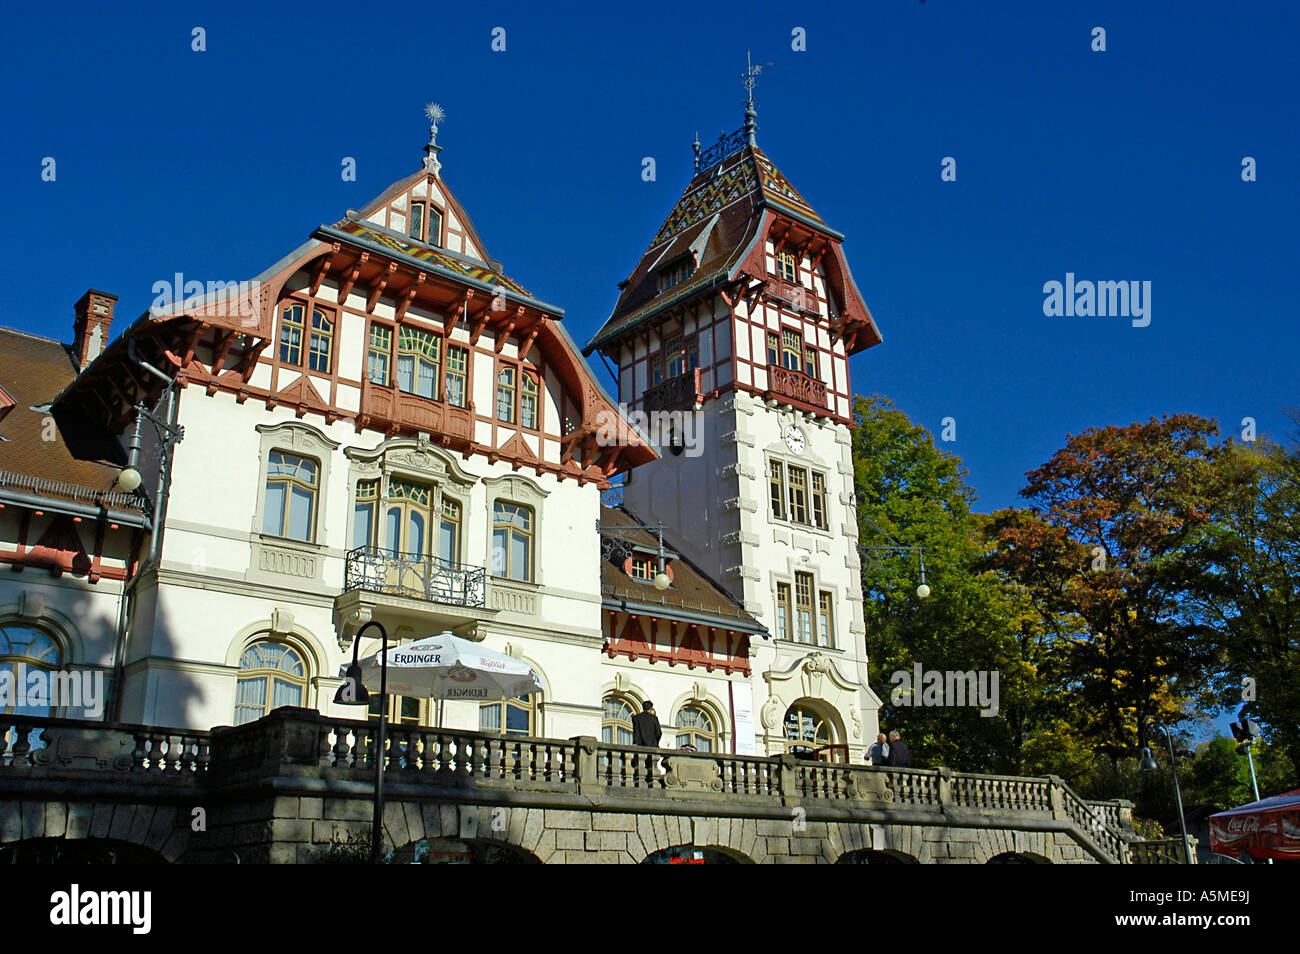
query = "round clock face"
{"x": 794, "y": 439}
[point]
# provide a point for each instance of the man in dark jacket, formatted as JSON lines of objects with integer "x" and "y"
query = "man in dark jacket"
{"x": 899, "y": 756}
{"x": 645, "y": 727}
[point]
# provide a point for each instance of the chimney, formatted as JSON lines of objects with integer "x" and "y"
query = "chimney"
{"x": 92, "y": 316}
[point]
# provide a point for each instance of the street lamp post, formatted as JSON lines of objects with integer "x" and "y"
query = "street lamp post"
{"x": 1148, "y": 764}
{"x": 353, "y": 693}
{"x": 923, "y": 590}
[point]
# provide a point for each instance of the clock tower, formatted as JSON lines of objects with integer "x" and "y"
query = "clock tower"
{"x": 733, "y": 334}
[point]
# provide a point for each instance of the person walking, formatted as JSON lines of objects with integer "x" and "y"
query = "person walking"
{"x": 899, "y": 756}
{"x": 645, "y": 727}
{"x": 879, "y": 753}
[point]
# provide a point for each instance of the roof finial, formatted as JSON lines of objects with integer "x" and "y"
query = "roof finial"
{"x": 696, "y": 147}
{"x": 436, "y": 115}
{"x": 750, "y": 76}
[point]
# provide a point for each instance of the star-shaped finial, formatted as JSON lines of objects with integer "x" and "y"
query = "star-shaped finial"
{"x": 435, "y": 113}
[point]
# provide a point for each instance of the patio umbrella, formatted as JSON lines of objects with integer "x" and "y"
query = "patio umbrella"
{"x": 1269, "y": 828}
{"x": 449, "y": 667}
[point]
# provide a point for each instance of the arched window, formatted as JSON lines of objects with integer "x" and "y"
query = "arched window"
{"x": 270, "y": 675}
{"x": 508, "y": 717}
{"x": 616, "y": 723}
{"x": 31, "y": 649}
{"x": 695, "y": 727}
{"x": 512, "y": 541}
{"x": 806, "y": 730}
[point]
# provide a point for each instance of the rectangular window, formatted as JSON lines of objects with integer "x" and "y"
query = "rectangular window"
{"x": 803, "y": 607}
{"x": 512, "y": 541}
{"x": 379, "y": 355}
{"x": 290, "y": 506}
{"x": 417, "y": 221}
{"x": 810, "y": 359}
{"x": 787, "y": 266}
{"x": 435, "y": 227}
{"x": 457, "y": 362}
{"x": 656, "y": 368}
{"x": 783, "y": 611}
{"x": 692, "y": 354}
{"x": 528, "y": 401}
{"x": 825, "y": 628}
{"x": 676, "y": 356}
{"x": 506, "y": 395}
{"x": 291, "y": 335}
{"x": 322, "y": 342}
{"x": 449, "y": 531}
{"x": 419, "y": 362}
{"x": 773, "y": 348}
{"x": 791, "y": 350}
{"x": 798, "y": 495}
{"x": 777, "y": 481}
{"x": 363, "y": 514}
{"x": 819, "y": 500}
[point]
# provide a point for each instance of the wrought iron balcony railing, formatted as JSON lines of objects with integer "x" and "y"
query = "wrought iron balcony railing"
{"x": 378, "y": 570}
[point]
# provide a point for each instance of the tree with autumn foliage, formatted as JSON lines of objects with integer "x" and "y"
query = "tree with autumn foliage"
{"x": 1109, "y": 541}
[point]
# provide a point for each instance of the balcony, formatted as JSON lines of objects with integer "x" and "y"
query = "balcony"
{"x": 396, "y": 411}
{"x": 423, "y": 593}
{"x": 681, "y": 393}
{"x": 786, "y": 385}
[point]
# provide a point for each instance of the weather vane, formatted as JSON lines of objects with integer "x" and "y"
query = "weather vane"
{"x": 436, "y": 115}
{"x": 750, "y": 78}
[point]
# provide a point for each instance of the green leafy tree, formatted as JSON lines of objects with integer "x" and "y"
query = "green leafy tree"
{"x": 909, "y": 493}
{"x": 1251, "y": 560}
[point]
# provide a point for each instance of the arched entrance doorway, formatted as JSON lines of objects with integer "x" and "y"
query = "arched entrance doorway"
{"x": 810, "y": 733}
{"x": 866, "y": 856}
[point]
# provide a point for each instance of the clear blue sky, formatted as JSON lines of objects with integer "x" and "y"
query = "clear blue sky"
{"x": 1122, "y": 165}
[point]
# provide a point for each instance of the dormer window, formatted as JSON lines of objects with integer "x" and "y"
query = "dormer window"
{"x": 426, "y": 223}
{"x": 675, "y": 274}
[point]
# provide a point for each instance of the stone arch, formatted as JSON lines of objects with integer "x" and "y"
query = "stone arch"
{"x": 1018, "y": 858}
{"x": 519, "y": 829}
{"x": 163, "y": 830}
{"x": 993, "y": 843}
{"x": 890, "y": 856}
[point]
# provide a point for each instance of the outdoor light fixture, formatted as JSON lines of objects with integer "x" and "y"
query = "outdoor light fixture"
{"x": 128, "y": 479}
{"x": 923, "y": 589}
{"x": 1246, "y": 733}
{"x": 1148, "y": 764}
{"x": 353, "y": 693}
{"x": 616, "y": 541}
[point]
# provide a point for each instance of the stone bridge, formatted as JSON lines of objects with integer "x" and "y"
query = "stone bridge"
{"x": 297, "y": 786}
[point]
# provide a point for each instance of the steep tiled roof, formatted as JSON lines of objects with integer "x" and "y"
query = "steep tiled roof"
{"x": 717, "y": 219}
{"x": 33, "y": 456}
{"x": 692, "y": 592}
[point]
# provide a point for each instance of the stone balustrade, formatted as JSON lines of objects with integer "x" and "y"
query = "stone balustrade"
{"x": 323, "y": 754}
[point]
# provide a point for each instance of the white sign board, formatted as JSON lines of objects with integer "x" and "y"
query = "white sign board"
{"x": 742, "y": 712}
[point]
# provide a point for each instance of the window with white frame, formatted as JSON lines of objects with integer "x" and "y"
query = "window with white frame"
{"x": 292, "y": 484}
